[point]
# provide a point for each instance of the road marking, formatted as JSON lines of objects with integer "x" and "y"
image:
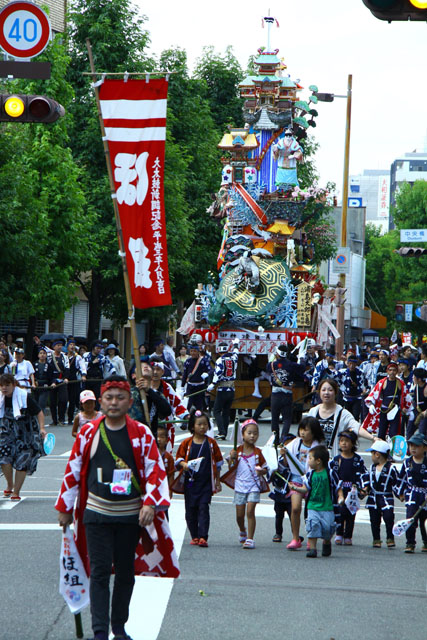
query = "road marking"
{"x": 155, "y": 592}
{"x": 31, "y": 526}
{"x": 7, "y": 504}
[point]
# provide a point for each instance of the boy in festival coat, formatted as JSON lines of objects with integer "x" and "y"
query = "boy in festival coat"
{"x": 413, "y": 489}
{"x": 380, "y": 485}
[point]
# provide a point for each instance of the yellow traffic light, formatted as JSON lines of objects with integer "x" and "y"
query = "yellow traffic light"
{"x": 14, "y": 107}
{"x": 419, "y": 4}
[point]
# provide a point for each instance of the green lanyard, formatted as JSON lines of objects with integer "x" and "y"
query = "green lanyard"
{"x": 120, "y": 464}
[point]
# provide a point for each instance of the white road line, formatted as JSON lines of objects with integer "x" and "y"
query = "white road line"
{"x": 7, "y": 504}
{"x": 155, "y": 592}
{"x": 31, "y": 526}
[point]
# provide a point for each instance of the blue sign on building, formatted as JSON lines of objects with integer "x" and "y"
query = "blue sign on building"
{"x": 355, "y": 202}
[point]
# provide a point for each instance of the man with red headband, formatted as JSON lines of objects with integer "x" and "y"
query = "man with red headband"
{"x": 116, "y": 483}
{"x": 387, "y": 401}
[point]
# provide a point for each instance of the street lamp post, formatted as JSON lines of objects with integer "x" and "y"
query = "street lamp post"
{"x": 329, "y": 97}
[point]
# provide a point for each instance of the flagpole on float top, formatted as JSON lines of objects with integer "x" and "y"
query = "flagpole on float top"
{"x": 122, "y": 253}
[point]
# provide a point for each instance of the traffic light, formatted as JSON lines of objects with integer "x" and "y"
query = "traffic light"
{"x": 397, "y": 9}
{"x": 23, "y": 108}
{"x": 411, "y": 252}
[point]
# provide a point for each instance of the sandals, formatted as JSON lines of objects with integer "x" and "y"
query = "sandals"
{"x": 15, "y": 498}
{"x": 194, "y": 541}
{"x": 203, "y": 542}
{"x": 242, "y": 536}
{"x": 7, "y": 493}
{"x": 249, "y": 544}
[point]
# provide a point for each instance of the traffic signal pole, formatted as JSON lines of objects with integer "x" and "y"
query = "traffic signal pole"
{"x": 339, "y": 346}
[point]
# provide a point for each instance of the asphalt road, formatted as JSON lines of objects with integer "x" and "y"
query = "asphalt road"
{"x": 224, "y": 591}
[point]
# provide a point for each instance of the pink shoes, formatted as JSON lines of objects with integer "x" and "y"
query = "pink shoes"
{"x": 294, "y": 545}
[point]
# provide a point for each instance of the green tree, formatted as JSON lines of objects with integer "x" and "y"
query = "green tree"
{"x": 46, "y": 239}
{"x": 389, "y": 277}
{"x": 222, "y": 74}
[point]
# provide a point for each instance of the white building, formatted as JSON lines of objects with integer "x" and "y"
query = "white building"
{"x": 411, "y": 167}
{"x": 371, "y": 190}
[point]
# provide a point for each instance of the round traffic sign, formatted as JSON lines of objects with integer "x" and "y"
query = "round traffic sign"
{"x": 341, "y": 259}
{"x": 24, "y": 29}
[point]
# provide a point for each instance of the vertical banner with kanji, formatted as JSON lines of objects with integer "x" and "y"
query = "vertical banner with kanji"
{"x": 134, "y": 116}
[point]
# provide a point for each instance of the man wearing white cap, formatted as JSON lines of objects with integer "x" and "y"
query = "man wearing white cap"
{"x": 284, "y": 374}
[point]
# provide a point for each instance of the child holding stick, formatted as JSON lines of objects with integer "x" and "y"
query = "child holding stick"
{"x": 168, "y": 461}
{"x": 350, "y": 468}
{"x": 380, "y": 482}
{"x": 281, "y": 494}
{"x": 199, "y": 460}
{"x": 310, "y": 435}
{"x": 245, "y": 476}
{"x": 413, "y": 489}
{"x": 322, "y": 485}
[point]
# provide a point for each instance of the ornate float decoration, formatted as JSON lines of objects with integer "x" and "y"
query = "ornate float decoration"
{"x": 267, "y": 263}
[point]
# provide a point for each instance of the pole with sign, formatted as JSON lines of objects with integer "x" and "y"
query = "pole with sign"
{"x": 25, "y": 32}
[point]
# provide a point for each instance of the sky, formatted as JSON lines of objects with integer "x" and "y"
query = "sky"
{"x": 322, "y": 42}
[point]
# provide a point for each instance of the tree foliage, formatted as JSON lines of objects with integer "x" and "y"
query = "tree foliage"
{"x": 389, "y": 277}
{"x": 45, "y": 229}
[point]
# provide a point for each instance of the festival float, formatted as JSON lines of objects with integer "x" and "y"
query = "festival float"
{"x": 275, "y": 230}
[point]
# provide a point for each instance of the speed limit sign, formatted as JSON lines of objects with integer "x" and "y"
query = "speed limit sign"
{"x": 24, "y": 29}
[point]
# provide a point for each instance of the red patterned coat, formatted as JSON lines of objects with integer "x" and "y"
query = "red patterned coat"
{"x": 155, "y": 554}
{"x": 375, "y": 399}
{"x": 178, "y": 410}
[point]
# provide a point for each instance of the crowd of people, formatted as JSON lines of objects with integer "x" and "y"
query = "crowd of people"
{"x": 318, "y": 478}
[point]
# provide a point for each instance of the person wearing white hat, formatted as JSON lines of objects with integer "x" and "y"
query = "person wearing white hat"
{"x": 284, "y": 374}
{"x": 380, "y": 482}
{"x": 112, "y": 353}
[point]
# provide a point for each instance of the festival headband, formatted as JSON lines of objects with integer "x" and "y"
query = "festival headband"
{"x": 119, "y": 384}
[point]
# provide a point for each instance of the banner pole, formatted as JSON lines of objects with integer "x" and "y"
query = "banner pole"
{"x": 122, "y": 253}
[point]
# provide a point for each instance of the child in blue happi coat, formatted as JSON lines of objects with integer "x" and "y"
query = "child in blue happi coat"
{"x": 413, "y": 489}
{"x": 350, "y": 468}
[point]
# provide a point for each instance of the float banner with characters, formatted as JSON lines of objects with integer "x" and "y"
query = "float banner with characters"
{"x": 134, "y": 115}
{"x": 262, "y": 343}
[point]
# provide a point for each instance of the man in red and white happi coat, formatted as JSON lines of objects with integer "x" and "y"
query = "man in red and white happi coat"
{"x": 178, "y": 409}
{"x": 117, "y": 520}
{"x": 387, "y": 401}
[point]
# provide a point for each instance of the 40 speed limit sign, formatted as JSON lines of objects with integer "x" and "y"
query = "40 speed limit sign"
{"x": 24, "y": 29}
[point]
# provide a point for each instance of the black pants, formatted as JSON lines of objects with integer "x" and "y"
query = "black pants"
{"x": 345, "y": 524}
{"x": 198, "y": 400}
{"x": 197, "y": 517}
{"x": 410, "y": 429}
{"x": 280, "y": 508}
{"x": 421, "y": 518}
{"x": 223, "y": 401}
{"x": 264, "y": 404}
{"x": 387, "y": 516}
{"x": 96, "y": 388}
{"x": 58, "y": 402}
{"x": 41, "y": 397}
{"x": 281, "y": 405}
{"x": 392, "y": 426}
{"x": 107, "y": 544}
{"x": 354, "y": 406}
{"x": 73, "y": 398}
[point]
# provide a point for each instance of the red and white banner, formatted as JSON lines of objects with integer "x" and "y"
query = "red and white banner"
{"x": 134, "y": 115}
